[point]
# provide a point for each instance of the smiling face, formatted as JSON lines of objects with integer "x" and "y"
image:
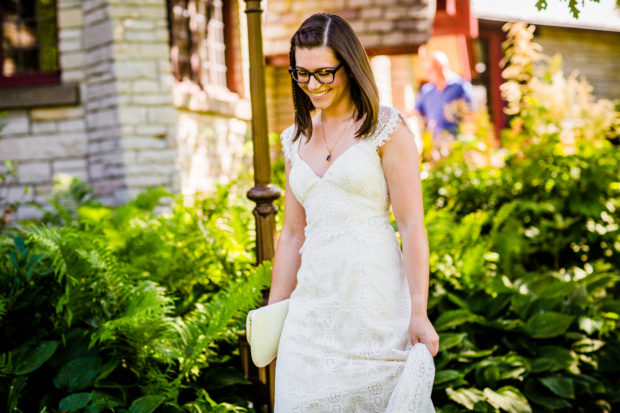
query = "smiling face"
{"x": 326, "y": 41}
{"x": 323, "y": 96}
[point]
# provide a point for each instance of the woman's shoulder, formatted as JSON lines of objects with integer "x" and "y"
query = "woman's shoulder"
{"x": 389, "y": 120}
{"x": 286, "y": 139}
{"x": 289, "y": 131}
{"x": 387, "y": 113}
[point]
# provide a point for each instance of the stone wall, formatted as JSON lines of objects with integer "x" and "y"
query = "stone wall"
{"x": 134, "y": 126}
{"x": 212, "y": 149}
{"x": 382, "y": 24}
{"x": 143, "y": 85}
{"x": 100, "y": 101}
{"x": 44, "y": 141}
{"x": 587, "y": 51}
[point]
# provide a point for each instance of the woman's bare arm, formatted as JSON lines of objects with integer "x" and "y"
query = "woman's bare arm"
{"x": 287, "y": 259}
{"x": 401, "y": 165}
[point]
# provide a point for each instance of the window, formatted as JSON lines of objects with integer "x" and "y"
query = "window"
{"x": 197, "y": 41}
{"x": 446, "y": 6}
{"x": 29, "y": 53}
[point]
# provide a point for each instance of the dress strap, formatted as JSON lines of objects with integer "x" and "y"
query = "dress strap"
{"x": 389, "y": 120}
{"x": 286, "y": 138}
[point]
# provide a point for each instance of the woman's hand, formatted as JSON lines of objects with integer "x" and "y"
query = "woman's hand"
{"x": 422, "y": 331}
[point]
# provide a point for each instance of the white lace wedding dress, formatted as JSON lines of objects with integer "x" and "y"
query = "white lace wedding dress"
{"x": 345, "y": 342}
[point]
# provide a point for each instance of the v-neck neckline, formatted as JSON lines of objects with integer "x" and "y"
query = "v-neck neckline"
{"x": 333, "y": 163}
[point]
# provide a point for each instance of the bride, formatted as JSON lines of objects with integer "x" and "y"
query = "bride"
{"x": 357, "y": 337}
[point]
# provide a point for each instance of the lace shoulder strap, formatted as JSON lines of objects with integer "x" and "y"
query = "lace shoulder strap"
{"x": 286, "y": 138}
{"x": 389, "y": 120}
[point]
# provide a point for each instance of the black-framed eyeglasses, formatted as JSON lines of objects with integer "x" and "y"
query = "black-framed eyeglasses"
{"x": 323, "y": 75}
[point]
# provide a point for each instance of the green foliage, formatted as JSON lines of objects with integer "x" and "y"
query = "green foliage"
{"x": 122, "y": 309}
{"x": 549, "y": 107}
{"x": 524, "y": 273}
{"x": 525, "y": 256}
{"x": 525, "y": 252}
{"x": 67, "y": 195}
{"x": 549, "y": 337}
{"x": 8, "y": 175}
{"x": 573, "y": 5}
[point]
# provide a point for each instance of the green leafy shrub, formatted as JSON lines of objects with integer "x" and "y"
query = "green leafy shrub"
{"x": 538, "y": 341}
{"x": 8, "y": 207}
{"x": 525, "y": 252}
{"x": 121, "y": 309}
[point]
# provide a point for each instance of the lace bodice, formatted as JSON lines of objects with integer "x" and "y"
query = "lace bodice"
{"x": 328, "y": 200}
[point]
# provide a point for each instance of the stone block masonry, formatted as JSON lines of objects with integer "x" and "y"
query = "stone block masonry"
{"x": 145, "y": 111}
{"x": 127, "y": 133}
{"x": 372, "y": 20}
{"x": 211, "y": 150}
{"x": 104, "y": 159}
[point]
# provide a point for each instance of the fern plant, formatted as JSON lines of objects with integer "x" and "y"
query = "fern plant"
{"x": 145, "y": 322}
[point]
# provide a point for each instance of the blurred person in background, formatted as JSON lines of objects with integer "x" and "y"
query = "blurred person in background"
{"x": 443, "y": 102}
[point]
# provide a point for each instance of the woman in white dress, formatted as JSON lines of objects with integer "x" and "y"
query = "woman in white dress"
{"x": 357, "y": 337}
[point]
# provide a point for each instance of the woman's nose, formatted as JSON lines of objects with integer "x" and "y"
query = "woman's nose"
{"x": 313, "y": 84}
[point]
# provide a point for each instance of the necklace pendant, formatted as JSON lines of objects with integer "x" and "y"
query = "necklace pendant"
{"x": 329, "y": 157}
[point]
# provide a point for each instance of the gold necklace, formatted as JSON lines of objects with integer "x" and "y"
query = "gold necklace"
{"x": 329, "y": 150}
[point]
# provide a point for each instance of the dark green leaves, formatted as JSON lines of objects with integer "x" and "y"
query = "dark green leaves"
{"x": 553, "y": 358}
{"x": 78, "y": 374}
{"x": 27, "y": 359}
{"x": 538, "y": 394}
{"x": 452, "y": 319}
{"x": 146, "y": 404}
{"x": 123, "y": 309}
{"x": 548, "y": 324}
{"x": 446, "y": 376}
{"x": 449, "y": 340}
{"x": 562, "y": 386}
{"x": 75, "y": 402}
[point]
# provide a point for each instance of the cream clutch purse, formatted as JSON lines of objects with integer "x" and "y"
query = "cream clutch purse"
{"x": 263, "y": 327}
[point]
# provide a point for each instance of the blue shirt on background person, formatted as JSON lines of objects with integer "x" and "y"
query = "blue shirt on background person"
{"x": 436, "y": 105}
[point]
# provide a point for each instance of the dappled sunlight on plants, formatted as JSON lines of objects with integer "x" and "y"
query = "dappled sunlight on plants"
{"x": 133, "y": 309}
{"x": 550, "y": 107}
{"x": 138, "y": 307}
{"x": 525, "y": 248}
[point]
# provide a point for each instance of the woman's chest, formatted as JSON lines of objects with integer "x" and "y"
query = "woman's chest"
{"x": 356, "y": 172}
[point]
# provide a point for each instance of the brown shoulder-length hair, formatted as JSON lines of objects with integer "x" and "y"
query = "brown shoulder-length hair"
{"x": 324, "y": 29}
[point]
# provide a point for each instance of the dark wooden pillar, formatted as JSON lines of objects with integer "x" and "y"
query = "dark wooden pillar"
{"x": 495, "y": 80}
{"x": 263, "y": 193}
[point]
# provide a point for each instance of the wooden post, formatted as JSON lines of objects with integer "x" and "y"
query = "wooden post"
{"x": 263, "y": 193}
